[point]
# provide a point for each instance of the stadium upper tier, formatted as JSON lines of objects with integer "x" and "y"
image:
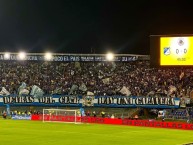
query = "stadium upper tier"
{"x": 135, "y": 78}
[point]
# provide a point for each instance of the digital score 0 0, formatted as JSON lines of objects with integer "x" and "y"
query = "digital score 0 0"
{"x": 176, "y": 51}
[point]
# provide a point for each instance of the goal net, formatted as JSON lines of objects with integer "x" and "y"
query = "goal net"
{"x": 61, "y": 115}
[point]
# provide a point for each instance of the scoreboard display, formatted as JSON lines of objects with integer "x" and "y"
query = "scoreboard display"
{"x": 176, "y": 50}
{"x": 171, "y": 50}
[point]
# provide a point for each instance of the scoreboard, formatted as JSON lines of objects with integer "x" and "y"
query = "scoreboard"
{"x": 171, "y": 50}
{"x": 176, "y": 50}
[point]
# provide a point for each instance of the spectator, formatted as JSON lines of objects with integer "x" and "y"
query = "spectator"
{"x": 136, "y": 117}
{"x": 103, "y": 114}
{"x": 134, "y": 78}
{"x": 94, "y": 114}
{"x": 4, "y": 115}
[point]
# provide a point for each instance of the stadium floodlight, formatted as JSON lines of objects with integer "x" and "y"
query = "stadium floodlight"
{"x": 22, "y": 55}
{"x": 110, "y": 56}
{"x": 7, "y": 55}
{"x": 48, "y": 56}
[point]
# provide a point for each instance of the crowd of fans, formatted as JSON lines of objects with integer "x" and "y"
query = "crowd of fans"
{"x": 19, "y": 113}
{"x": 134, "y": 78}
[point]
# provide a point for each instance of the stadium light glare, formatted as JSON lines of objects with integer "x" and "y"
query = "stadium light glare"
{"x": 48, "y": 56}
{"x": 7, "y": 55}
{"x": 22, "y": 55}
{"x": 110, "y": 56}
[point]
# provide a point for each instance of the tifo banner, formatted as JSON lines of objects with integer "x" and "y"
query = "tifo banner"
{"x": 91, "y": 101}
{"x": 144, "y": 123}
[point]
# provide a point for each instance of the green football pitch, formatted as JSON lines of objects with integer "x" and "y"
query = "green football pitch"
{"x": 18, "y": 132}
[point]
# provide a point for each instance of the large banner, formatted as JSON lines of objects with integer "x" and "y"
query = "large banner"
{"x": 91, "y": 101}
{"x": 69, "y": 57}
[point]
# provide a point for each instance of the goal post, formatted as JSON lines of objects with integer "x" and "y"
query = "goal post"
{"x": 61, "y": 115}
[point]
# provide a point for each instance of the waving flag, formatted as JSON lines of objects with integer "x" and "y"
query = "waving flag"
{"x": 125, "y": 91}
{"x": 22, "y": 89}
{"x": 4, "y": 92}
{"x": 37, "y": 92}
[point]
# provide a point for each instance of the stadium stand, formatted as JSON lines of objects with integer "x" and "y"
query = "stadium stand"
{"x": 134, "y": 78}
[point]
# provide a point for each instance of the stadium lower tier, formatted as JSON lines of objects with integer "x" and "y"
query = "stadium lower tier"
{"x": 144, "y": 123}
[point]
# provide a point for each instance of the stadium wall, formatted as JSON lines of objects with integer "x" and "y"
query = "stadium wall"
{"x": 116, "y": 121}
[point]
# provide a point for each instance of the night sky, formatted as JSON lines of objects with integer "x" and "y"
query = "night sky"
{"x": 90, "y": 26}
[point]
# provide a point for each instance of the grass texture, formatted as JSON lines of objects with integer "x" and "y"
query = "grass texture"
{"x": 17, "y": 132}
